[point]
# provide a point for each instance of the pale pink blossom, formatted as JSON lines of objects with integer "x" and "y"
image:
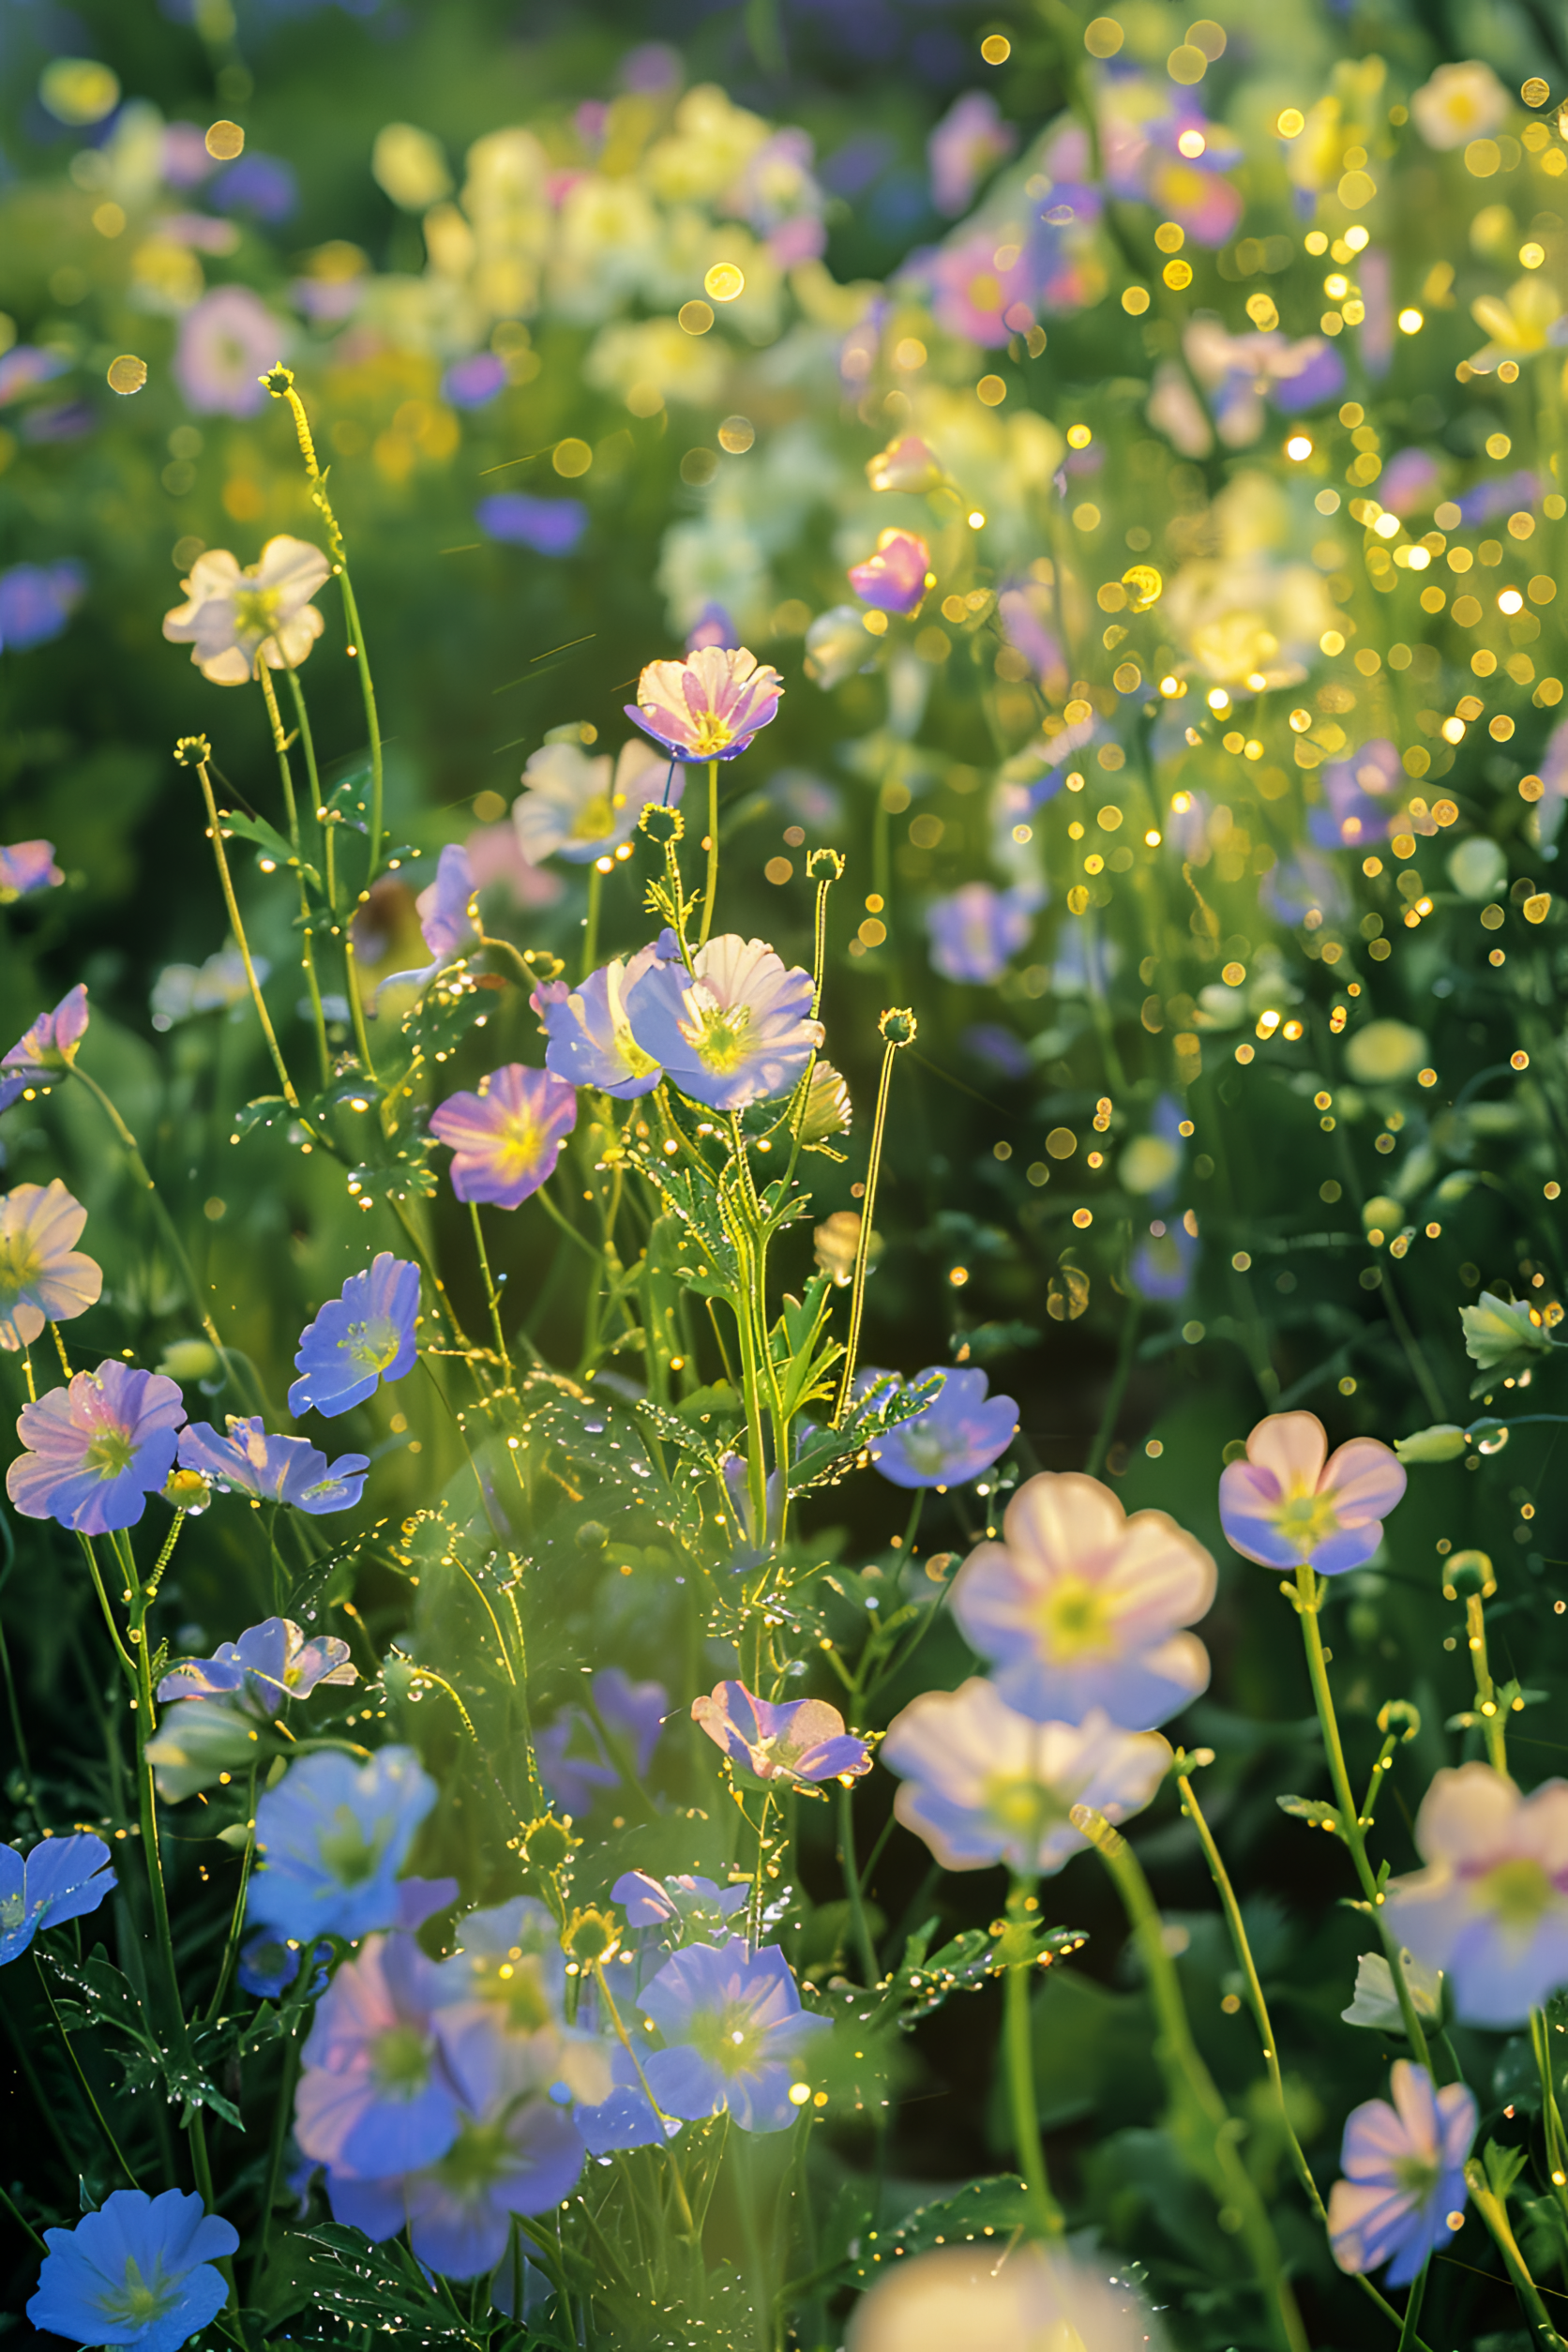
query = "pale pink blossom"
{"x": 709, "y": 706}
{"x": 1490, "y": 1910}
{"x": 235, "y": 617}
{"x": 1291, "y": 1502}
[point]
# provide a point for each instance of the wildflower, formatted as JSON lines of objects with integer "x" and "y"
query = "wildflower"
{"x": 1038, "y": 2296}
{"x": 712, "y": 626}
{"x": 1357, "y": 790}
{"x": 249, "y": 1461}
{"x": 975, "y": 928}
{"x": 1491, "y": 1906}
{"x": 233, "y": 617}
{"x": 48, "y": 1047}
{"x": 803, "y": 1739}
{"x": 736, "y": 1029}
{"x": 1151, "y": 1162}
{"x": 36, "y": 600}
{"x": 1460, "y": 102}
{"x": 968, "y": 142}
{"x": 221, "y": 982}
{"x": 1384, "y": 1052}
{"x": 43, "y": 1277}
{"x": 709, "y": 706}
{"x": 226, "y": 340}
{"x": 626, "y": 2116}
{"x": 836, "y": 645}
{"x": 506, "y": 1138}
{"x": 139, "y": 2272}
{"x": 961, "y": 1432}
{"x": 983, "y": 1784}
{"x": 268, "y": 1965}
{"x": 26, "y": 866}
{"x": 1502, "y": 1335}
{"x": 1287, "y": 1507}
{"x": 268, "y": 1663}
{"x": 61, "y": 1879}
{"x": 1404, "y": 2171}
{"x": 333, "y": 1837}
{"x": 1527, "y": 320}
{"x": 200, "y": 1743}
{"x": 827, "y": 1111}
{"x": 550, "y": 527}
{"x": 1375, "y": 2002}
{"x": 1162, "y": 1264}
{"x": 445, "y": 908}
{"x": 360, "y": 1338}
{"x": 631, "y": 1712}
{"x": 694, "y": 1904}
{"x": 98, "y": 1449}
{"x": 572, "y": 806}
{"x": 894, "y": 578}
{"x": 733, "y": 2028}
{"x": 591, "y": 1042}
{"x": 1080, "y": 1607}
{"x": 375, "y": 2095}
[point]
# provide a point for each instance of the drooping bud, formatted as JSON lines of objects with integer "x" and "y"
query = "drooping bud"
{"x": 828, "y": 1108}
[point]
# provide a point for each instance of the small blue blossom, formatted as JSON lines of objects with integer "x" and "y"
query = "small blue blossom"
{"x": 1162, "y": 1265}
{"x": 1404, "y": 2169}
{"x": 686, "y": 1900}
{"x": 550, "y": 527}
{"x": 333, "y": 1837}
{"x": 734, "y": 2028}
{"x": 269, "y": 1469}
{"x": 360, "y": 1338}
{"x": 976, "y": 928}
{"x": 375, "y": 2093}
{"x": 591, "y": 1042}
{"x": 961, "y": 1432}
{"x": 270, "y": 1663}
{"x": 627, "y": 2117}
{"x": 63, "y": 1878}
{"x": 139, "y": 2272}
{"x": 268, "y": 1965}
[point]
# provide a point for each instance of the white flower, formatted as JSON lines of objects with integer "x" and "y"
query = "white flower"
{"x": 1491, "y": 1907}
{"x": 1375, "y": 2002}
{"x": 1460, "y": 102}
{"x": 236, "y": 617}
{"x": 1000, "y": 2297}
{"x": 574, "y": 809}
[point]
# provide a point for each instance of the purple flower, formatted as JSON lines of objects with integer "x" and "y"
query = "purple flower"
{"x": 98, "y": 1449}
{"x": 895, "y": 578}
{"x": 1357, "y": 793}
{"x": 1408, "y": 481}
{"x": 473, "y": 382}
{"x": 1291, "y": 1503}
{"x": 139, "y": 2272}
{"x": 970, "y": 296}
{"x": 444, "y": 907}
{"x": 37, "y": 601}
{"x": 803, "y": 1739}
{"x": 736, "y": 1029}
{"x": 360, "y": 1338}
{"x": 1404, "y": 2170}
{"x": 975, "y": 929}
{"x": 1162, "y": 1263}
{"x": 690, "y": 1901}
{"x": 960, "y": 1433}
{"x": 1498, "y": 496}
{"x": 268, "y": 1663}
{"x": 249, "y": 1461}
{"x": 591, "y": 1042}
{"x": 506, "y": 1138}
{"x": 375, "y": 2095}
{"x": 970, "y": 138}
{"x": 1025, "y": 610}
{"x": 550, "y": 527}
{"x": 268, "y": 1965}
{"x": 627, "y": 2117}
{"x": 734, "y": 2028}
{"x": 712, "y": 626}
{"x": 63, "y": 1878}
{"x": 632, "y": 1713}
{"x": 28, "y": 867}
{"x": 1490, "y": 1910}
{"x": 226, "y": 341}
{"x": 333, "y": 1837}
{"x": 999, "y": 1049}
{"x": 43, "y": 1277}
{"x": 24, "y": 368}
{"x": 262, "y": 185}
{"x": 709, "y": 706}
{"x": 48, "y": 1047}
{"x": 908, "y": 464}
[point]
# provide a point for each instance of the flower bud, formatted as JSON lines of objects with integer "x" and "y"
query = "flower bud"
{"x": 187, "y": 1490}
{"x": 828, "y": 1109}
{"x": 1467, "y": 1574}
{"x": 835, "y": 1243}
{"x": 1503, "y": 1333}
{"x": 899, "y": 1028}
{"x": 1443, "y": 1442}
{"x": 547, "y": 1844}
{"x": 591, "y": 1937}
{"x": 661, "y": 823}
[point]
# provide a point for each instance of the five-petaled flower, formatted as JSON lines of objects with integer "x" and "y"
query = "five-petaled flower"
{"x": 37, "y": 1059}
{"x": 800, "y": 1739}
{"x": 574, "y": 807}
{"x": 1490, "y": 1910}
{"x": 249, "y": 1461}
{"x": 709, "y": 706}
{"x": 735, "y": 1028}
{"x": 1289, "y": 1506}
{"x": 733, "y": 2030}
{"x": 961, "y": 1432}
{"x": 98, "y": 1449}
{"x": 333, "y": 1837}
{"x": 506, "y": 1138}
{"x": 139, "y": 2272}
{"x": 62, "y": 1878}
{"x": 44, "y": 1278}
{"x": 1404, "y": 2168}
{"x": 1081, "y": 1607}
{"x": 591, "y": 1042}
{"x": 268, "y": 1663}
{"x": 360, "y": 1338}
{"x": 894, "y": 578}
{"x": 235, "y": 618}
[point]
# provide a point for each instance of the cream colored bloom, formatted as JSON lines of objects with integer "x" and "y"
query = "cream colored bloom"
{"x": 1460, "y": 102}
{"x": 997, "y": 2295}
{"x": 1520, "y": 323}
{"x": 236, "y": 617}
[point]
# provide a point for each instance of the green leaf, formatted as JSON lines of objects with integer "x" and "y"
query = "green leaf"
{"x": 1311, "y": 1809}
{"x": 993, "y": 2210}
{"x": 264, "y": 1111}
{"x": 351, "y": 2283}
{"x": 269, "y": 841}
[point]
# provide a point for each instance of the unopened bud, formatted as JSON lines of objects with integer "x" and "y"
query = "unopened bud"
{"x": 1466, "y": 1574}
{"x": 1443, "y": 1442}
{"x": 187, "y": 1490}
{"x": 899, "y": 1028}
{"x": 547, "y": 1844}
{"x": 825, "y": 866}
{"x": 193, "y": 751}
{"x": 591, "y": 1937}
{"x": 661, "y": 823}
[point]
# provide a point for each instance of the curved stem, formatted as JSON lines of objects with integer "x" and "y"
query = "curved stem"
{"x": 860, "y": 1925}
{"x": 86, "y": 2086}
{"x": 711, "y": 896}
{"x": 492, "y": 1298}
{"x": 1046, "y": 2215}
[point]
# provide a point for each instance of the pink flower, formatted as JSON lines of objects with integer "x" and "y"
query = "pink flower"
{"x": 970, "y": 137}
{"x": 506, "y": 1138}
{"x": 43, "y": 1277}
{"x": 709, "y": 706}
{"x": 895, "y": 578}
{"x": 804, "y": 1739}
{"x": 906, "y": 464}
{"x": 48, "y": 1047}
{"x": 1287, "y": 1505}
{"x": 226, "y": 340}
{"x": 1490, "y": 1910}
{"x": 26, "y": 866}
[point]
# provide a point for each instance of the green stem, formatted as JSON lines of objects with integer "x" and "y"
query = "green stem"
{"x": 492, "y": 1297}
{"x": 1046, "y": 2215}
{"x": 373, "y": 723}
{"x": 711, "y": 896}
{"x": 1493, "y": 1729}
{"x": 591, "y": 927}
{"x": 236, "y": 1917}
{"x": 19, "y": 2218}
{"x": 1408, "y": 2336}
{"x": 1117, "y": 1390}
{"x": 860, "y": 1924}
{"x": 1493, "y": 2210}
{"x": 215, "y": 833}
{"x": 873, "y": 1165}
{"x": 112, "y": 2143}
{"x": 275, "y": 2152}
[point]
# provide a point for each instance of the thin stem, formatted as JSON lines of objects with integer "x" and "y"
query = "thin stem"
{"x": 1493, "y": 1729}
{"x": 215, "y": 835}
{"x": 373, "y": 722}
{"x": 1046, "y": 2215}
{"x": 1493, "y": 2210}
{"x": 1117, "y": 1390}
{"x": 591, "y": 927}
{"x": 19, "y": 2218}
{"x": 98, "y": 2119}
{"x": 236, "y": 1917}
{"x": 711, "y": 896}
{"x": 1408, "y": 2336}
{"x": 902, "y": 1036}
{"x": 275, "y": 2151}
{"x": 492, "y": 1298}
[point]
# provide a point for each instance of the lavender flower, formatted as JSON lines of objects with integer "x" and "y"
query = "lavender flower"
{"x": 590, "y": 1036}
{"x": 46, "y": 1049}
{"x": 733, "y": 2031}
{"x": 61, "y": 1879}
{"x": 1404, "y": 2171}
{"x": 375, "y": 2095}
{"x": 632, "y": 1713}
{"x": 268, "y": 1965}
{"x": 894, "y": 578}
{"x": 550, "y": 527}
{"x": 268, "y": 1663}
{"x": 233, "y": 617}
{"x": 574, "y": 809}
{"x": 509, "y": 1962}
{"x": 43, "y": 1277}
{"x": 1162, "y": 1264}
{"x": 248, "y": 1461}
{"x": 626, "y": 2116}
{"x": 1490, "y": 1910}
{"x": 968, "y": 142}
{"x": 98, "y": 1449}
{"x": 709, "y": 706}
{"x": 28, "y": 867}
{"x": 445, "y": 906}
{"x": 693, "y": 1903}
{"x": 360, "y": 1338}
{"x": 712, "y": 626}
{"x": 139, "y": 2272}
{"x": 961, "y": 1432}
{"x": 506, "y": 1138}
{"x": 36, "y": 600}
{"x": 736, "y": 1029}
{"x": 1357, "y": 789}
{"x": 1291, "y": 1502}
{"x": 976, "y": 928}
{"x": 803, "y": 1739}
{"x": 333, "y": 1837}
{"x": 226, "y": 341}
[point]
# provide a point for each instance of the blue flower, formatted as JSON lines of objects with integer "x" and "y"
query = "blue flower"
{"x": 39, "y": 1057}
{"x": 690, "y": 1901}
{"x": 736, "y": 1029}
{"x": 975, "y": 929}
{"x": 472, "y": 382}
{"x": 268, "y": 1469}
{"x": 734, "y": 2028}
{"x": 550, "y": 527}
{"x": 1357, "y": 789}
{"x": 26, "y": 866}
{"x": 627, "y": 2117}
{"x": 631, "y": 1712}
{"x": 1163, "y": 1262}
{"x": 360, "y": 1338}
{"x": 98, "y": 1449}
{"x": 591, "y": 1042}
{"x": 63, "y": 1878}
{"x": 1404, "y": 2174}
{"x": 262, "y": 185}
{"x": 36, "y": 600}
{"x": 800, "y": 1739}
{"x": 268, "y": 1965}
{"x": 375, "y": 2093}
{"x": 270, "y": 1663}
{"x": 961, "y": 1432}
{"x": 333, "y": 1835}
{"x": 137, "y": 2273}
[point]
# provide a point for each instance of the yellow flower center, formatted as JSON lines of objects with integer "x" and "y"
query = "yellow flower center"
{"x": 1077, "y": 1621}
{"x": 110, "y": 1453}
{"x": 1518, "y": 1893}
{"x": 595, "y": 818}
{"x": 1021, "y": 1805}
{"x": 346, "y": 1851}
{"x": 138, "y": 2301}
{"x": 712, "y": 733}
{"x": 255, "y": 611}
{"x": 372, "y": 1345}
{"x": 519, "y": 1145}
{"x": 719, "y": 1039}
{"x": 21, "y": 1265}
{"x": 1305, "y": 1520}
{"x": 402, "y": 2062}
